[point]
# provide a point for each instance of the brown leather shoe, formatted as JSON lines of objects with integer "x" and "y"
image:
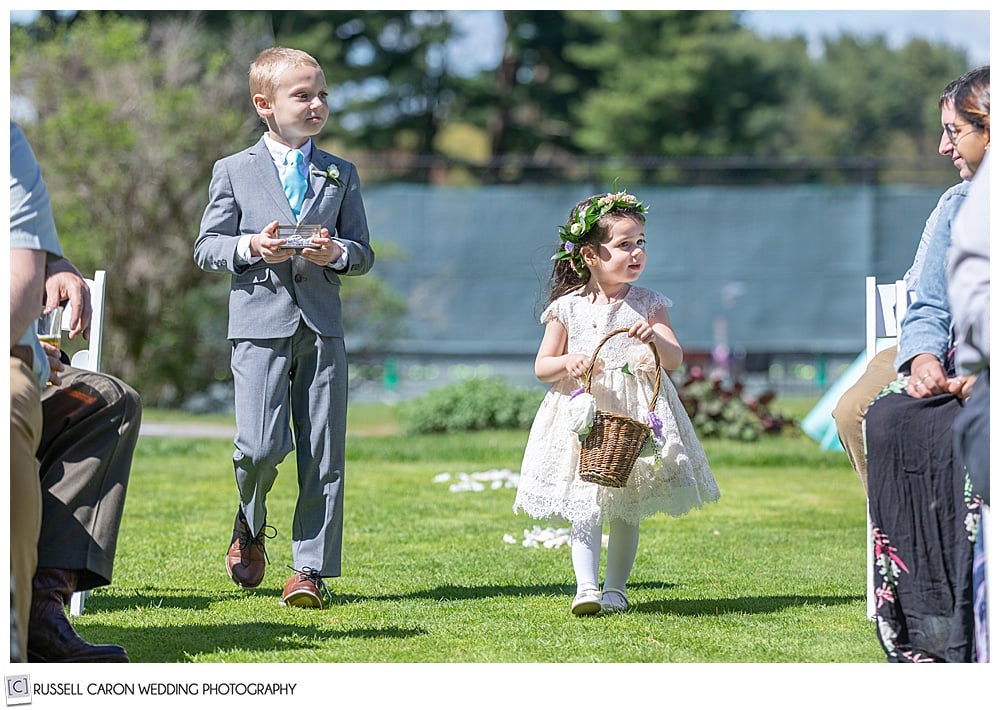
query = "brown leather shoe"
{"x": 51, "y": 638}
{"x": 246, "y": 556}
{"x": 303, "y": 589}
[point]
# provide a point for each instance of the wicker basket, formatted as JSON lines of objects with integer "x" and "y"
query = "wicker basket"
{"x": 610, "y": 450}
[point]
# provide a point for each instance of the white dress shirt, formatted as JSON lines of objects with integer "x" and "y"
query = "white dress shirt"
{"x": 278, "y": 152}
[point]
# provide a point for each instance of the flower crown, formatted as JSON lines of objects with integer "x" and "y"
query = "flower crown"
{"x": 573, "y": 232}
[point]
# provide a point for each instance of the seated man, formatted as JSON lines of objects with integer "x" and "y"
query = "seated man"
{"x": 82, "y": 428}
{"x": 90, "y": 425}
{"x": 28, "y": 371}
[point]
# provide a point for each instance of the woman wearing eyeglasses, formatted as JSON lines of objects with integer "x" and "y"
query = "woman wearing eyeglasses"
{"x": 969, "y": 132}
{"x": 924, "y": 519}
{"x": 849, "y": 412}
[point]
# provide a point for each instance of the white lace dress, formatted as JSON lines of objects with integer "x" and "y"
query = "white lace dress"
{"x": 673, "y": 481}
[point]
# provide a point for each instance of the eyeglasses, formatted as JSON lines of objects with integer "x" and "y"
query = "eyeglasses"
{"x": 951, "y": 129}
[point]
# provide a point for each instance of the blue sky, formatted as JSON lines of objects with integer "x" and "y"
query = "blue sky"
{"x": 967, "y": 29}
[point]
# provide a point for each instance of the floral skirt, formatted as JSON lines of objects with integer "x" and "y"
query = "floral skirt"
{"x": 924, "y": 525}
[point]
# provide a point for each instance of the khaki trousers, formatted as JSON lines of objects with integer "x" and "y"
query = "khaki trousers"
{"x": 853, "y": 405}
{"x": 25, "y": 495}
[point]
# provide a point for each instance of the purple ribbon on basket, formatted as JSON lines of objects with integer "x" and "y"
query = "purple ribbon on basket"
{"x": 655, "y": 424}
{"x": 574, "y": 393}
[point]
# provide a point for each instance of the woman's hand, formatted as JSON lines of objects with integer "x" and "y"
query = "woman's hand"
{"x": 928, "y": 379}
{"x": 961, "y": 386}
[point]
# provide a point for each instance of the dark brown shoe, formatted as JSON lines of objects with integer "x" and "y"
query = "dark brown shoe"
{"x": 304, "y": 589}
{"x": 246, "y": 556}
{"x": 51, "y": 638}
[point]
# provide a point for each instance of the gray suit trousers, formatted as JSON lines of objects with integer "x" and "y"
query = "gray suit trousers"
{"x": 302, "y": 378}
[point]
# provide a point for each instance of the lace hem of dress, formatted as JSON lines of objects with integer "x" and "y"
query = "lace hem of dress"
{"x": 682, "y": 500}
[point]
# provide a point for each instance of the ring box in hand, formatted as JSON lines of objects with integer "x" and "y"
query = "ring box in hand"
{"x": 298, "y": 236}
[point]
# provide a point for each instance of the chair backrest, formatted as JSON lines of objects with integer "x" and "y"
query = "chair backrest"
{"x": 885, "y": 306}
{"x": 90, "y": 357}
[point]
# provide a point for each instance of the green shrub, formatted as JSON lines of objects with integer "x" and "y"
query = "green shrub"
{"x": 477, "y": 404}
{"x": 471, "y": 405}
{"x": 727, "y": 412}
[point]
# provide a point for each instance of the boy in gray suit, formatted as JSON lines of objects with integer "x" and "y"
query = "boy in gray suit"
{"x": 288, "y": 356}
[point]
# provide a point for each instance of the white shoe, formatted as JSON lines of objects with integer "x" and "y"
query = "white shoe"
{"x": 586, "y": 603}
{"x": 614, "y": 601}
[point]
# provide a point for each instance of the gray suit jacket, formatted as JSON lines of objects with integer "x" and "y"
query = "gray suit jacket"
{"x": 268, "y": 300}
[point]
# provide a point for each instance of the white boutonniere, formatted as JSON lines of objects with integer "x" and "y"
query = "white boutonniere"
{"x": 333, "y": 175}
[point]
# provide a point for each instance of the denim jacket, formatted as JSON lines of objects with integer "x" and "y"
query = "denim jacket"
{"x": 926, "y": 327}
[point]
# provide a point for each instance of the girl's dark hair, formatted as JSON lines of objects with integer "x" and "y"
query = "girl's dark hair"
{"x": 570, "y": 274}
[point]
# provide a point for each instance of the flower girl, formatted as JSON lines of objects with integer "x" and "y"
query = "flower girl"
{"x": 602, "y": 252}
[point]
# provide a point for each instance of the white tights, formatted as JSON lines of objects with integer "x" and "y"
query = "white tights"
{"x": 585, "y": 549}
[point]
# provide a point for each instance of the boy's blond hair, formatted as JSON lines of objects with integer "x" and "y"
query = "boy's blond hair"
{"x": 269, "y": 64}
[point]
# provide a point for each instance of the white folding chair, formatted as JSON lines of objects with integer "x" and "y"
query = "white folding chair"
{"x": 89, "y": 359}
{"x": 882, "y": 316}
{"x": 885, "y": 306}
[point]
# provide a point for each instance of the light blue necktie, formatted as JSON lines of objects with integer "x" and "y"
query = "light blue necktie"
{"x": 293, "y": 181}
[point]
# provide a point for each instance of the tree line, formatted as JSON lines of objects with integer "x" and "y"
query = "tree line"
{"x": 128, "y": 110}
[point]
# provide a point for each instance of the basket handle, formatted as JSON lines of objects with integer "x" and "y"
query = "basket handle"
{"x": 593, "y": 359}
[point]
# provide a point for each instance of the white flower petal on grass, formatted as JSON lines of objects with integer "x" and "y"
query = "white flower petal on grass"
{"x": 496, "y": 478}
{"x": 557, "y": 539}
{"x": 466, "y": 484}
{"x": 549, "y": 538}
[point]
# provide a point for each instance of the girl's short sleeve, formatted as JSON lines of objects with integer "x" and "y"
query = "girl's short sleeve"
{"x": 657, "y": 299}
{"x": 552, "y": 312}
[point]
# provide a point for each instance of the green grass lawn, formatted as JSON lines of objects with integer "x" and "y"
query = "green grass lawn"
{"x": 773, "y": 572}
